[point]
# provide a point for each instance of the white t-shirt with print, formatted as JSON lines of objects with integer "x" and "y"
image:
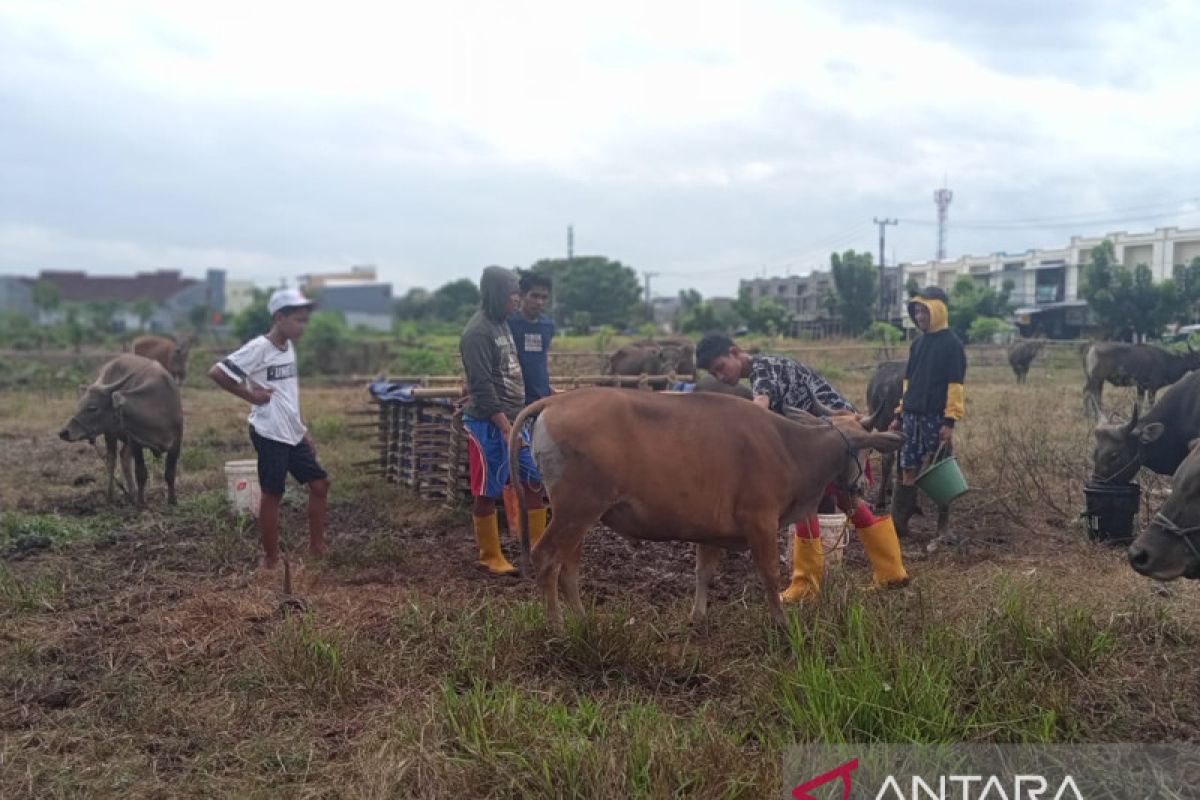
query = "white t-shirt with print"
{"x": 268, "y": 366}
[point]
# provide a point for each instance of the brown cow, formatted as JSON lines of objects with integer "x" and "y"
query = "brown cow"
{"x": 167, "y": 352}
{"x": 134, "y": 403}
{"x": 705, "y": 468}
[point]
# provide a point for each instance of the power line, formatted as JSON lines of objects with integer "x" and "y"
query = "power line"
{"x": 1063, "y": 221}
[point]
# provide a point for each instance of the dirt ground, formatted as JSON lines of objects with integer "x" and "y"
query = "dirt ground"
{"x": 109, "y": 611}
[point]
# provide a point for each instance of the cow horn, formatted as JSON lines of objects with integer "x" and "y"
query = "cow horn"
{"x": 869, "y": 421}
{"x": 820, "y": 409}
{"x": 1132, "y": 419}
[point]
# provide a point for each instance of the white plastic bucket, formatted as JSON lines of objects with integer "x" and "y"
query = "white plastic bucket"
{"x": 833, "y": 537}
{"x": 241, "y": 486}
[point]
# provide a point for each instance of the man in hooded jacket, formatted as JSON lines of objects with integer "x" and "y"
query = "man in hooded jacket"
{"x": 496, "y": 394}
{"x": 933, "y": 401}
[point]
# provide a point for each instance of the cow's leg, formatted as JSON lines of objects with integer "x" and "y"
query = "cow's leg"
{"x": 764, "y": 548}
{"x": 169, "y": 475}
{"x": 127, "y": 470}
{"x": 707, "y": 560}
{"x": 110, "y": 463}
{"x": 563, "y": 538}
{"x": 569, "y": 579}
{"x": 887, "y": 466}
{"x": 1092, "y": 395}
{"x": 139, "y": 463}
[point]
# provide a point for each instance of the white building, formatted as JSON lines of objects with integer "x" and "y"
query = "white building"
{"x": 1046, "y": 282}
{"x": 239, "y": 295}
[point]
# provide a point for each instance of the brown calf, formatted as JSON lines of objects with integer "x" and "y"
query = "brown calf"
{"x": 705, "y": 468}
{"x": 166, "y": 352}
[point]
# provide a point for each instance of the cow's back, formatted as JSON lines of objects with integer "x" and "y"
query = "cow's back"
{"x": 663, "y": 464}
{"x": 151, "y": 407}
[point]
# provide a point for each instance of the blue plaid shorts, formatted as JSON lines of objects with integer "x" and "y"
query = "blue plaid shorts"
{"x": 921, "y": 433}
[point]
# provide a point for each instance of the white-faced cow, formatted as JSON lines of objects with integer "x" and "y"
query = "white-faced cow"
{"x": 172, "y": 355}
{"x": 1145, "y": 366}
{"x": 1170, "y": 547}
{"x": 1157, "y": 440}
{"x": 704, "y": 468}
{"x": 884, "y": 391}
{"x": 1021, "y": 354}
{"x": 134, "y": 402}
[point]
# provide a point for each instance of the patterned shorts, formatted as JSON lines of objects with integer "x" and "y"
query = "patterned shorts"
{"x": 921, "y": 432}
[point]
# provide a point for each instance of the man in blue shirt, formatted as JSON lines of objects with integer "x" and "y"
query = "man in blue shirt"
{"x": 533, "y": 331}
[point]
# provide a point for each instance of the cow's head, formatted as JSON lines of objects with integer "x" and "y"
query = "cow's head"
{"x": 1117, "y": 457}
{"x": 96, "y": 414}
{"x": 1170, "y": 547}
{"x": 859, "y": 436}
{"x": 679, "y": 357}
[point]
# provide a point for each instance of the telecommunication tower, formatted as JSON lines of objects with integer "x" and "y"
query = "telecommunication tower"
{"x": 942, "y": 198}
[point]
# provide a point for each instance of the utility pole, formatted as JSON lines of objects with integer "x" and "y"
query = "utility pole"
{"x": 649, "y": 305}
{"x": 883, "y": 223}
{"x": 570, "y": 243}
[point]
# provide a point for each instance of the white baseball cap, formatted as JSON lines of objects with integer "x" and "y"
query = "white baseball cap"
{"x": 287, "y": 298}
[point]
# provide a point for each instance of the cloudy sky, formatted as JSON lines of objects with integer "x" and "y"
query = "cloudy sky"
{"x": 702, "y": 141}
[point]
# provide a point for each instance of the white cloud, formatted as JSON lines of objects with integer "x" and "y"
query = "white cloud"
{"x": 692, "y": 139}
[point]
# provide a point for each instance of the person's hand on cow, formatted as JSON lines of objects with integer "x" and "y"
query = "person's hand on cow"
{"x": 946, "y": 435}
{"x": 896, "y": 425}
{"x": 308, "y": 440}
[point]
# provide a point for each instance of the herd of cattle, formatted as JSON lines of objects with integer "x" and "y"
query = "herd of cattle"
{"x": 656, "y": 492}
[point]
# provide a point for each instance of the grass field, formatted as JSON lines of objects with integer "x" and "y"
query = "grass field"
{"x": 139, "y": 656}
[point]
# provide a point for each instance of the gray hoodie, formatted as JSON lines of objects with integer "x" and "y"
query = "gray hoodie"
{"x": 489, "y": 356}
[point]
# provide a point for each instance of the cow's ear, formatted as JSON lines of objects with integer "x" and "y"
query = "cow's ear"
{"x": 1150, "y": 432}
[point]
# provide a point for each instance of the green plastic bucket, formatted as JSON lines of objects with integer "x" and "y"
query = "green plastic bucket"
{"x": 943, "y": 481}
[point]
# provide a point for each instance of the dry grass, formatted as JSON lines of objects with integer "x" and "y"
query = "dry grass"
{"x": 138, "y": 655}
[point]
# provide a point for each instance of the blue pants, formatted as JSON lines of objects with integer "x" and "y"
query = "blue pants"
{"x": 487, "y": 455}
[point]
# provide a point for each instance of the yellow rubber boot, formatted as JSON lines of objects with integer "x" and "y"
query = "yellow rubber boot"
{"x": 883, "y": 551}
{"x": 487, "y": 534}
{"x": 537, "y": 525}
{"x": 512, "y": 511}
{"x": 808, "y": 566}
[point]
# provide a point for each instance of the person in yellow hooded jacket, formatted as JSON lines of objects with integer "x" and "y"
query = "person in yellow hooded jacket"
{"x": 932, "y": 403}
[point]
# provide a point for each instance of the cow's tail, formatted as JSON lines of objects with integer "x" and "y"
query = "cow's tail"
{"x": 514, "y": 475}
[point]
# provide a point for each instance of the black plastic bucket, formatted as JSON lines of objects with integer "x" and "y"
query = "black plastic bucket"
{"x": 1111, "y": 509}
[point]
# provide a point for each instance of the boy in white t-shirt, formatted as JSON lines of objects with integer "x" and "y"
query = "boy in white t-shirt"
{"x": 263, "y": 372}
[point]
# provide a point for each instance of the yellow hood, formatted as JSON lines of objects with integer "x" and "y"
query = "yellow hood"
{"x": 939, "y": 317}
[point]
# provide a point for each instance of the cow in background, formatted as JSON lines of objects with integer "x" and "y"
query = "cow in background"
{"x": 1021, "y": 354}
{"x": 1157, "y": 441}
{"x": 884, "y": 391}
{"x": 135, "y": 403}
{"x": 172, "y": 355}
{"x": 1145, "y": 366}
{"x": 654, "y": 357}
